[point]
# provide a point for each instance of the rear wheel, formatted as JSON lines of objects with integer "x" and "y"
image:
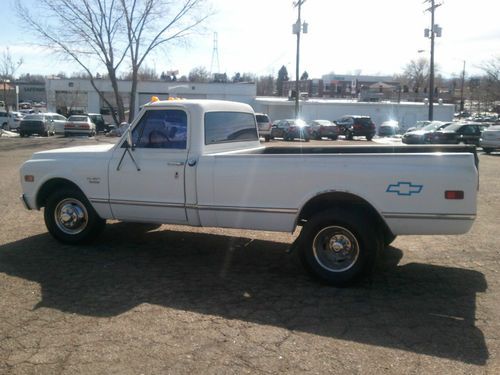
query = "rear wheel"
{"x": 267, "y": 138}
{"x": 487, "y": 150}
{"x": 350, "y": 135}
{"x": 70, "y": 217}
{"x": 369, "y": 137}
{"x": 339, "y": 246}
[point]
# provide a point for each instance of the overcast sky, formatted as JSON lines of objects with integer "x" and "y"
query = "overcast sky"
{"x": 370, "y": 36}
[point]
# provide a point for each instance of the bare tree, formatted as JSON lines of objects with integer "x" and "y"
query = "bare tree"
{"x": 8, "y": 68}
{"x": 416, "y": 73}
{"x": 152, "y": 24}
{"x": 491, "y": 81}
{"x": 111, "y": 32}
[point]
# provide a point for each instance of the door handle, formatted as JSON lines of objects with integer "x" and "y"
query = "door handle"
{"x": 176, "y": 163}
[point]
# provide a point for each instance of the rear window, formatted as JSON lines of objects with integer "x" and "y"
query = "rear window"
{"x": 365, "y": 121}
{"x": 221, "y": 127}
{"x": 262, "y": 118}
{"x": 34, "y": 117}
{"x": 78, "y": 118}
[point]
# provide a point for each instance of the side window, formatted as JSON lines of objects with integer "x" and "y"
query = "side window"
{"x": 164, "y": 128}
{"x": 468, "y": 130}
{"x": 221, "y": 127}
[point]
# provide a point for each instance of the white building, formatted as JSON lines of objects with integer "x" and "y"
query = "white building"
{"x": 78, "y": 94}
{"x": 406, "y": 113}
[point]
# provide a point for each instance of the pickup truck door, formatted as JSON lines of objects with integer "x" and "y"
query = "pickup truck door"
{"x": 155, "y": 192}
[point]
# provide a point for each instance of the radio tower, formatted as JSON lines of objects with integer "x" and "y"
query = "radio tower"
{"x": 215, "y": 56}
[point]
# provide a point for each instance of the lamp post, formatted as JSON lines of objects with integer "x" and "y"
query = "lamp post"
{"x": 298, "y": 27}
{"x": 462, "y": 104}
{"x": 434, "y": 31}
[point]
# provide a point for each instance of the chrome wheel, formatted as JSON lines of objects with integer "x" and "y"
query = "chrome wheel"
{"x": 335, "y": 248}
{"x": 71, "y": 216}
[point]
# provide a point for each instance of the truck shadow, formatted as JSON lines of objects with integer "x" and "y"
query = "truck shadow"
{"x": 414, "y": 307}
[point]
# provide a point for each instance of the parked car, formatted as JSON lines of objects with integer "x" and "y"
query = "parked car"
{"x": 351, "y": 126}
{"x": 388, "y": 128}
{"x": 324, "y": 128}
{"x": 79, "y": 125}
{"x": 10, "y": 120}
{"x": 490, "y": 139}
{"x": 290, "y": 129}
{"x": 459, "y": 132}
{"x": 264, "y": 124}
{"x": 39, "y": 123}
{"x": 118, "y": 131}
{"x": 59, "y": 122}
{"x": 423, "y": 135}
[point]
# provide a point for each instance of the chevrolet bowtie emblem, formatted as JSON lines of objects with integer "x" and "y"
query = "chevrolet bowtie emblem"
{"x": 404, "y": 188}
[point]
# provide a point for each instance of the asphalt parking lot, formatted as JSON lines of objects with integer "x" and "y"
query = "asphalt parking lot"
{"x": 177, "y": 300}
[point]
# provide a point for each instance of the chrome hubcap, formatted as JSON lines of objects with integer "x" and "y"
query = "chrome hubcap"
{"x": 71, "y": 216}
{"x": 335, "y": 248}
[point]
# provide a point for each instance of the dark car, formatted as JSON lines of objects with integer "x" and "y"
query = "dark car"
{"x": 100, "y": 124}
{"x": 469, "y": 133}
{"x": 351, "y": 126}
{"x": 40, "y": 124}
{"x": 324, "y": 128}
{"x": 290, "y": 129}
{"x": 424, "y": 135}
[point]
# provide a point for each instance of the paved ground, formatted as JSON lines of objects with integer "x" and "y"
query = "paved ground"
{"x": 182, "y": 300}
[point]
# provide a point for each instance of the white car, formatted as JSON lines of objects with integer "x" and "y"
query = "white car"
{"x": 59, "y": 122}
{"x": 79, "y": 125}
{"x": 490, "y": 139}
{"x": 10, "y": 120}
{"x": 264, "y": 124}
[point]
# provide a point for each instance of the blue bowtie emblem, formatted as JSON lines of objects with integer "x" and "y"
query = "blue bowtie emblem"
{"x": 404, "y": 188}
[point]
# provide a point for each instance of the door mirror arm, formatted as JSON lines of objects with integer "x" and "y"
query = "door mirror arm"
{"x": 129, "y": 145}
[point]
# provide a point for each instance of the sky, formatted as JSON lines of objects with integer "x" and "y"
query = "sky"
{"x": 344, "y": 37}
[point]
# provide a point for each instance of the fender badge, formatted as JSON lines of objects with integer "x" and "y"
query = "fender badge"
{"x": 404, "y": 188}
{"x": 94, "y": 180}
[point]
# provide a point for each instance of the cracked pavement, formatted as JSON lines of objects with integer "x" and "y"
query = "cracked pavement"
{"x": 177, "y": 300}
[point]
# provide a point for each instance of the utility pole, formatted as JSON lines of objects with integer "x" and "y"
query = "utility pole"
{"x": 462, "y": 104}
{"x": 434, "y": 31}
{"x": 298, "y": 27}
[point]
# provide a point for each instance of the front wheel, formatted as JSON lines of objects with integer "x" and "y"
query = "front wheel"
{"x": 339, "y": 246}
{"x": 487, "y": 150}
{"x": 369, "y": 137}
{"x": 70, "y": 217}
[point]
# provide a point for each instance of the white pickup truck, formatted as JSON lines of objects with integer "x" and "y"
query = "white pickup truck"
{"x": 200, "y": 163}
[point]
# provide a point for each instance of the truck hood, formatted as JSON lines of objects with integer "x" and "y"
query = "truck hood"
{"x": 93, "y": 151}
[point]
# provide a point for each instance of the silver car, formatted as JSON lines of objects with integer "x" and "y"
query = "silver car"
{"x": 264, "y": 124}
{"x": 490, "y": 139}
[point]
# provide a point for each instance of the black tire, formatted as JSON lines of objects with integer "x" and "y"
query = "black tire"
{"x": 267, "y": 138}
{"x": 487, "y": 150}
{"x": 350, "y": 136}
{"x": 369, "y": 137}
{"x": 334, "y": 138}
{"x": 5, "y": 126}
{"x": 388, "y": 239}
{"x": 72, "y": 204}
{"x": 351, "y": 256}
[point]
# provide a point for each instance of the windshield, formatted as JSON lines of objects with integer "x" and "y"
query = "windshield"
{"x": 300, "y": 123}
{"x": 432, "y": 126}
{"x": 454, "y": 127}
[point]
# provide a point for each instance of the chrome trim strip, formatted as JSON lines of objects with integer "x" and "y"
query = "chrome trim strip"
{"x": 246, "y": 209}
{"x": 397, "y": 215}
{"x": 291, "y": 211}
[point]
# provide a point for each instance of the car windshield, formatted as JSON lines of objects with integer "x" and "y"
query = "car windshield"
{"x": 432, "y": 126}
{"x": 34, "y": 117}
{"x": 78, "y": 118}
{"x": 454, "y": 127}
